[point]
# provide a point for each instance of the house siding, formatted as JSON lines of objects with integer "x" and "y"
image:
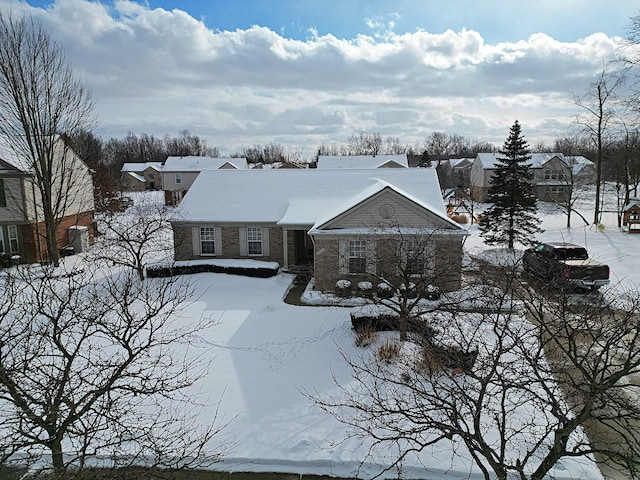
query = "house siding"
{"x": 14, "y": 211}
{"x": 404, "y": 212}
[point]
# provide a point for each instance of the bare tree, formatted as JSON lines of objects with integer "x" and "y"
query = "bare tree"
{"x": 545, "y": 373}
{"x": 597, "y": 117}
{"x": 95, "y": 364}
{"x": 135, "y": 237}
{"x": 42, "y": 105}
{"x": 407, "y": 273}
{"x": 364, "y": 143}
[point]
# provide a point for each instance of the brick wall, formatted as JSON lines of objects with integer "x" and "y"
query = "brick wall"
{"x": 183, "y": 244}
{"x": 33, "y": 246}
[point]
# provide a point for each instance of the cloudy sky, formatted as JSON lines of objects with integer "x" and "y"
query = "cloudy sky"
{"x": 302, "y": 72}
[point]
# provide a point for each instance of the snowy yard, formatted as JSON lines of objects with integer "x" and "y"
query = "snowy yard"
{"x": 265, "y": 351}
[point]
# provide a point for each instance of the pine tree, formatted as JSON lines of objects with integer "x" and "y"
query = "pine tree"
{"x": 512, "y": 216}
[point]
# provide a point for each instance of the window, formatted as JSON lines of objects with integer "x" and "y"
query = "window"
{"x": 357, "y": 256}
{"x": 3, "y": 197}
{"x": 254, "y": 240}
{"x": 553, "y": 174}
{"x": 416, "y": 258}
{"x": 2, "y": 250}
{"x": 207, "y": 240}
{"x": 13, "y": 238}
{"x": 178, "y": 178}
{"x": 152, "y": 176}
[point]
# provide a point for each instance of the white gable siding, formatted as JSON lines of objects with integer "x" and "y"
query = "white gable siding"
{"x": 370, "y": 213}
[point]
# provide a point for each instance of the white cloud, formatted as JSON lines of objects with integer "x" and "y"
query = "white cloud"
{"x": 160, "y": 71}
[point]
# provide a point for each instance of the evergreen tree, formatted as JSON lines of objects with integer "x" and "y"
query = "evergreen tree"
{"x": 512, "y": 216}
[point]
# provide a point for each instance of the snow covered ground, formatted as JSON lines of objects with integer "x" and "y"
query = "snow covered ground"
{"x": 265, "y": 351}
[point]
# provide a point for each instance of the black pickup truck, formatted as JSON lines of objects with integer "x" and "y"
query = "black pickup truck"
{"x": 565, "y": 265}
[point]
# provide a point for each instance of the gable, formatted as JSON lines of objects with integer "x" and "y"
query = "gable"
{"x": 555, "y": 163}
{"x": 384, "y": 209}
{"x": 390, "y": 164}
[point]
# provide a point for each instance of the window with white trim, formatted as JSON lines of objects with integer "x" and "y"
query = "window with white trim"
{"x": 12, "y": 230}
{"x": 254, "y": 240}
{"x": 207, "y": 240}
{"x": 357, "y": 256}
{"x": 178, "y": 178}
{"x": 2, "y": 249}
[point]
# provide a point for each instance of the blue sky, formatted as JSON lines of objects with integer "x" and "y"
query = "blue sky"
{"x": 496, "y": 20}
{"x": 305, "y": 73}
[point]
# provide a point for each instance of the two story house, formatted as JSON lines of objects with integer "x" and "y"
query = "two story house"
{"x": 138, "y": 177}
{"x": 340, "y": 221}
{"x": 553, "y": 174}
{"x": 179, "y": 173}
{"x": 22, "y": 232}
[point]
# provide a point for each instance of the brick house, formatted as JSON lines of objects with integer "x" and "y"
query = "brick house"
{"x": 22, "y": 231}
{"x": 340, "y": 222}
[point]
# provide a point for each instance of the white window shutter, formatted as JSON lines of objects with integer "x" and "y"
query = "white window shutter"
{"x": 343, "y": 257}
{"x": 371, "y": 257}
{"x": 218, "y": 240}
{"x": 265, "y": 241}
{"x": 243, "y": 242}
{"x": 195, "y": 238}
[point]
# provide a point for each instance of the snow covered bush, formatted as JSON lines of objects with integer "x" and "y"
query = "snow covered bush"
{"x": 343, "y": 288}
{"x": 365, "y": 287}
{"x": 383, "y": 290}
{"x": 408, "y": 290}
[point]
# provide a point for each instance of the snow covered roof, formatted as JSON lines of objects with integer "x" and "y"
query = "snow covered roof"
{"x": 300, "y": 197}
{"x": 633, "y": 203}
{"x": 362, "y": 161}
{"x": 489, "y": 160}
{"x": 141, "y": 167}
{"x": 199, "y": 164}
{"x": 577, "y": 163}
{"x": 460, "y": 162}
{"x": 136, "y": 176}
{"x": 9, "y": 156}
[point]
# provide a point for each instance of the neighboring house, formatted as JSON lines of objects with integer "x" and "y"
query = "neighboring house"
{"x": 363, "y": 161}
{"x": 631, "y": 216}
{"x": 21, "y": 206}
{"x": 553, "y": 174}
{"x": 461, "y": 172}
{"x": 322, "y": 218}
{"x": 179, "y": 173}
{"x": 137, "y": 177}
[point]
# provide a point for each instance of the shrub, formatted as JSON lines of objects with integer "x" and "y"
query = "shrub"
{"x": 430, "y": 361}
{"x": 409, "y": 289}
{"x": 365, "y": 335}
{"x": 169, "y": 271}
{"x": 388, "y": 350}
{"x": 365, "y": 288}
{"x": 343, "y": 288}
{"x": 431, "y": 292}
{"x": 383, "y": 290}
